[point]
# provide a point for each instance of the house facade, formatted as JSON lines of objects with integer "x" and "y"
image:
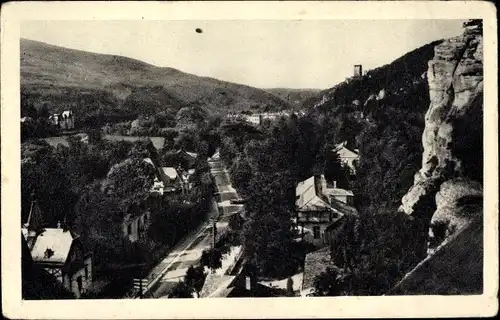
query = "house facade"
{"x": 134, "y": 226}
{"x": 313, "y": 211}
{"x": 319, "y": 214}
{"x": 172, "y": 181}
{"x": 65, "y": 120}
{"x": 339, "y": 194}
{"x": 60, "y": 252}
{"x": 347, "y": 156}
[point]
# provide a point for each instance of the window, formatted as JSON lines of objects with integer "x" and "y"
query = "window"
{"x": 316, "y": 232}
{"x": 129, "y": 229}
{"x": 86, "y": 272}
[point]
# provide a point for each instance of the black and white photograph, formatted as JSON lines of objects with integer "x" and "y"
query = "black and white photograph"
{"x": 250, "y": 158}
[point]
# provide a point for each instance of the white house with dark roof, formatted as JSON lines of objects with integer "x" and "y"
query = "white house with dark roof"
{"x": 67, "y": 120}
{"x": 347, "y": 156}
{"x": 343, "y": 195}
{"x": 317, "y": 213}
{"x": 172, "y": 181}
{"x": 60, "y": 252}
{"x": 135, "y": 225}
{"x": 313, "y": 211}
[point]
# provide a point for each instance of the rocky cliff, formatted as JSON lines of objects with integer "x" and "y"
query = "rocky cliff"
{"x": 447, "y": 193}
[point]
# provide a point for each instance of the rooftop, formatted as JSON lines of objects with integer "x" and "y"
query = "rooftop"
{"x": 308, "y": 196}
{"x": 315, "y": 263}
{"x": 52, "y": 246}
{"x": 344, "y": 152}
{"x": 338, "y": 192}
{"x": 215, "y": 284}
{"x": 170, "y": 172}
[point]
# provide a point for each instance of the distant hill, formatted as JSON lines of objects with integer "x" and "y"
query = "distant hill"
{"x": 295, "y": 97}
{"x": 109, "y": 86}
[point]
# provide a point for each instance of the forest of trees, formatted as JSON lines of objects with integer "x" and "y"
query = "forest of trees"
{"x": 383, "y": 244}
{"x": 91, "y": 186}
{"x": 265, "y": 165}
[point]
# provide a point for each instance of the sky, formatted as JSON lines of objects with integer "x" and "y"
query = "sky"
{"x": 264, "y": 54}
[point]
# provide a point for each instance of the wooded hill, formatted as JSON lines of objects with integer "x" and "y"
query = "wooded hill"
{"x": 99, "y": 87}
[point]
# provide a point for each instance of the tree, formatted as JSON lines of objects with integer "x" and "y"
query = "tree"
{"x": 195, "y": 278}
{"x": 99, "y": 219}
{"x": 241, "y": 174}
{"x": 189, "y": 117}
{"x": 335, "y": 170}
{"x": 329, "y": 283}
{"x": 211, "y": 258}
{"x": 130, "y": 181}
{"x": 181, "y": 290}
{"x": 94, "y": 135}
{"x": 236, "y": 222}
{"x": 43, "y": 172}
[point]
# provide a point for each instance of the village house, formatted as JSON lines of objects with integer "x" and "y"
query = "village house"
{"x": 347, "y": 156}
{"x": 257, "y": 118}
{"x": 318, "y": 216}
{"x": 134, "y": 225}
{"x": 135, "y": 222}
{"x": 342, "y": 195}
{"x": 215, "y": 157}
{"x": 65, "y": 121}
{"x": 186, "y": 175}
{"x": 38, "y": 284}
{"x": 187, "y": 159}
{"x": 59, "y": 251}
{"x": 171, "y": 180}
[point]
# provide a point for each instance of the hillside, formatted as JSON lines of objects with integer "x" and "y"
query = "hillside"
{"x": 112, "y": 86}
{"x": 295, "y": 97}
{"x": 395, "y": 77}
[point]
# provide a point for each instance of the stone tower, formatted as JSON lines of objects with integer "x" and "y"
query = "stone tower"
{"x": 358, "y": 70}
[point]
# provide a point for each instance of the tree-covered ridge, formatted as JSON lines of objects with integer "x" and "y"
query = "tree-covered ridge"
{"x": 382, "y": 115}
{"x": 102, "y": 88}
{"x": 394, "y": 77}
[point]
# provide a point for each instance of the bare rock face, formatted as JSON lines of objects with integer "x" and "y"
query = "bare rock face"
{"x": 452, "y": 138}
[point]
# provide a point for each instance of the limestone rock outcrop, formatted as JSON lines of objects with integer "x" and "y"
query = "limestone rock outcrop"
{"x": 452, "y": 122}
{"x": 447, "y": 194}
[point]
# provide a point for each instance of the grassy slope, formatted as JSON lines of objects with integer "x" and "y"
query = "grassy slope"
{"x": 65, "y": 76}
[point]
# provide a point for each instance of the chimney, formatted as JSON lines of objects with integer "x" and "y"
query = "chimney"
{"x": 335, "y": 184}
{"x": 58, "y": 224}
{"x": 323, "y": 183}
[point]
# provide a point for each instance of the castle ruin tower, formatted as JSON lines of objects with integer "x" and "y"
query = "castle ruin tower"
{"x": 358, "y": 70}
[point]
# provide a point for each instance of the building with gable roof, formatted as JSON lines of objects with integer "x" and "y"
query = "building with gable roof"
{"x": 317, "y": 214}
{"x": 65, "y": 120}
{"x": 172, "y": 181}
{"x": 59, "y": 251}
{"x": 347, "y": 156}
